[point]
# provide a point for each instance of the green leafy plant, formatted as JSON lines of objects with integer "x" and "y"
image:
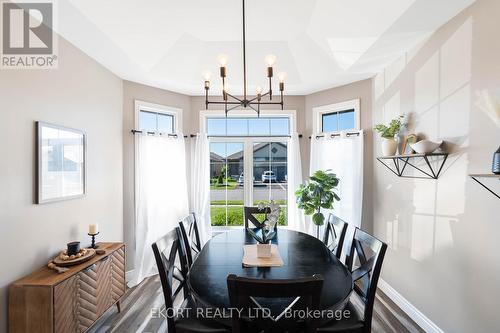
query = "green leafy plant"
{"x": 390, "y": 131}
{"x": 318, "y": 194}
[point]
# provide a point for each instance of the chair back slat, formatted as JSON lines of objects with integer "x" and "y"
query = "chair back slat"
{"x": 334, "y": 236}
{"x": 246, "y": 294}
{"x": 191, "y": 237}
{"x": 250, "y": 216}
{"x": 171, "y": 261}
{"x": 365, "y": 263}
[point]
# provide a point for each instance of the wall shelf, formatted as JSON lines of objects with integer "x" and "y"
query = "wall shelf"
{"x": 477, "y": 176}
{"x": 400, "y": 163}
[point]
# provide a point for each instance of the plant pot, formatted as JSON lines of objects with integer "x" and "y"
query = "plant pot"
{"x": 389, "y": 147}
{"x": 264, "y": 250}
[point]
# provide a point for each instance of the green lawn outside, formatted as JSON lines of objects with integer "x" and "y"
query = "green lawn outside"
{"x": 230, "y": 184}
{"x": 235, "y": 216}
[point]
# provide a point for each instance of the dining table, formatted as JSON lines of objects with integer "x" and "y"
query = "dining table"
{"x": 303, "y": 256}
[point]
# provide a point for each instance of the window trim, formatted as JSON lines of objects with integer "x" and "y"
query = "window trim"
{"x": 318, "y": 112}
{"x": 248, "y": 146}
{"x": 176, "y": 113}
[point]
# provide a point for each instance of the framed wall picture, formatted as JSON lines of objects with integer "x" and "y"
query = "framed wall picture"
{"x": 409, "y": 139}
{"x": 61, "y": 163}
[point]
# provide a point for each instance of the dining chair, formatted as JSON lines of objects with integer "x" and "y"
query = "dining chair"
{"x": 334, "y": 235}
{"x": 249, "y": 294}
{"x": 169, "y": 254}
{"x": 250, "y": 216}
{"x": 190, "y": 237}
{"x": 365, "y": 263}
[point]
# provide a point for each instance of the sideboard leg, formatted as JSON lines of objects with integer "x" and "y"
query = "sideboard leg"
{"x": 119, "y": 306}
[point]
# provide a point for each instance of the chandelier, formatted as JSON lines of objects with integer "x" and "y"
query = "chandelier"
{"x": 231, "y": 102}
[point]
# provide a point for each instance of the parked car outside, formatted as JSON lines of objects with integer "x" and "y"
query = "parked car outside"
{"x": 268, "y": 177}
{"x": 241, "y": 179}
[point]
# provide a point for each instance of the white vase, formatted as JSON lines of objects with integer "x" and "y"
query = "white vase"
{"x": 389, "y": 147}
{"x": 264, "y": 250}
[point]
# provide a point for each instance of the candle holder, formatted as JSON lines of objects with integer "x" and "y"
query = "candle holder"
{"x": 93, "y": 240}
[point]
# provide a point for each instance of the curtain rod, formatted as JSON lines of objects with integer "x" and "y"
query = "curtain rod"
{"x": 333, "y": 135}
{"x": 215, "y": 136}
{"x": 173, "y": 135}
{"x": 250, "y": 136}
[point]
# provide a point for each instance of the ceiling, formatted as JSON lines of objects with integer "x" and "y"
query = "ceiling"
{"x": 319, "y": 44}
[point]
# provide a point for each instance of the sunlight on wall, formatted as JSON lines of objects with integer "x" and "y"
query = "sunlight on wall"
{"x": 392, "y": 233}
{"x": 427, "y": 85}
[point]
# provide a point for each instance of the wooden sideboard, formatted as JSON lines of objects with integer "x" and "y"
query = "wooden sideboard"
{"x": 70, "y": 302}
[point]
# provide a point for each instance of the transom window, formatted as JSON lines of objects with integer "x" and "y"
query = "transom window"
{"x": 338, "y": 121}
{"x": 244, "y": 127}
{"x": 337, "y": 117}
{"x": 156, "y": 121}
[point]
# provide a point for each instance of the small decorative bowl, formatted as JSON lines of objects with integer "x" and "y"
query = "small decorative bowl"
{"x": 425, "y": 146}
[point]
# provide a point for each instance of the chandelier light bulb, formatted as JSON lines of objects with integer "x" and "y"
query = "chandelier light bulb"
{"x": 259, "y": 90}
{"x": 222, "y": 60}
{"x": 207, "y": 75}
{"x": 270, "y": 60}
{"x": 282, "y": 76}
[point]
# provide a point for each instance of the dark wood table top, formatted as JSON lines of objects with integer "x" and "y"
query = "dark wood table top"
{"x": 303, "y": 256}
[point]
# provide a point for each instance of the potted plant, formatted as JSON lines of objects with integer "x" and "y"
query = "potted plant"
{"x": 388, "y": 134}
{"x": 318, "y": 194}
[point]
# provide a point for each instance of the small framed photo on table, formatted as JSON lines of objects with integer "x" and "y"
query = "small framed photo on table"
{"x": 61, "y": 163}
{"x": 409, "y": 139}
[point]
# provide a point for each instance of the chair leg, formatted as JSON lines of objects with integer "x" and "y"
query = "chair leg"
{"x": 119, "y": 306}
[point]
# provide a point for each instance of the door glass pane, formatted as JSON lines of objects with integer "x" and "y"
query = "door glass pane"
{"x": 330, "y": 122}
{"x": 346, "y": 120}
{"x": 270, "y": 169}
{"x": 226, "y": 183}
{"x": 165, "y": 123}
{"x": 147, "y": 121}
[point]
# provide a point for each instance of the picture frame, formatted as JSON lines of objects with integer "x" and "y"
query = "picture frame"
{"x": 61, "y": 158}
{"x": 409, "y": 139}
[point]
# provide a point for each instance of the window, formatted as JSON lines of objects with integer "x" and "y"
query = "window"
{"x": 337, "y": 117}
{"x": 248, "y": 163}
{"x": 240, "y": 126}
{"x": 338, "y": 121}
{"x": 156, "y": 122}
{"x": 157, "y": 118}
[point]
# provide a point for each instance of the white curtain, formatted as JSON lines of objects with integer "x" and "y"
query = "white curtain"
{"x": 296, "y": 218}
{"x": 200, "y": 186}
{"x": 344, "y": 156}
{"x": 161, "y": 196}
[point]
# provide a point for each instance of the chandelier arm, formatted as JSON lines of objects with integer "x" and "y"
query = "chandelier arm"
{"x": 220, "y": 103}
{"x": 234, "y": 97}
{"x": 234, "y": 107}
{"x": 267, "y": 103}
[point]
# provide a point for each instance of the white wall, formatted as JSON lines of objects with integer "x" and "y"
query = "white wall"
{"x": 443, "y": 234}
{"x": 79, "y": 94}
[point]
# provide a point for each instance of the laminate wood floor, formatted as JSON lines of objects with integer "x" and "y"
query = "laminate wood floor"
{"x": 138, "y": 302}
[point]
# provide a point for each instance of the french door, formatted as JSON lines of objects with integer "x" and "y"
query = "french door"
{"x": 245, "y": 172}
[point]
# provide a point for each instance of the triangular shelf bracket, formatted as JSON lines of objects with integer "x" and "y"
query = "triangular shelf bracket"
{"x": 397, "y": 164}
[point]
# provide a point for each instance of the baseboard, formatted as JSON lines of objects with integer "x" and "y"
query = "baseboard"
{"x": 128, "y": 275}
{"x": 418, "y": 317}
